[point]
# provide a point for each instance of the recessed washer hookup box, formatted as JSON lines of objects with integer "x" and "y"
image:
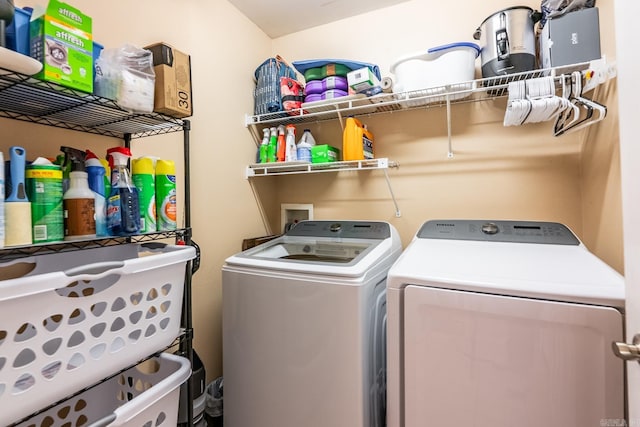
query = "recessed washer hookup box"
{"x": 60, "y": 38}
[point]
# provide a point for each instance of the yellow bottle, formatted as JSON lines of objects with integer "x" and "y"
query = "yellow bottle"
{"x": 357, "y": 141}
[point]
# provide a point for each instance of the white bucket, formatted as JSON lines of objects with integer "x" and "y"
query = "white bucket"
{"x": 439, "y": 70}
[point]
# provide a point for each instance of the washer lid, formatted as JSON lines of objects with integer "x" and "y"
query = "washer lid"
{"x": 338, "y": 248}
{"x": 559, "y": 272}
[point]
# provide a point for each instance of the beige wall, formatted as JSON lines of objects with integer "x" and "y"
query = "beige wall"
{"x": 509, "y": 173}
{"x": 519, "y": 173}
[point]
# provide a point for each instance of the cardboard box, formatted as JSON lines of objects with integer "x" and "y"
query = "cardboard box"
{"x": 61, "y": 39}
{"x": 173, "y": 81}
{"x": 324, "y": 154}
{"x": 571, "y": 39}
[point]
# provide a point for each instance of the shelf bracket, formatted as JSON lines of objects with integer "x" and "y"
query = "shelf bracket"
{"x": 393, "y": 196}
{"x": 450, "y": 150}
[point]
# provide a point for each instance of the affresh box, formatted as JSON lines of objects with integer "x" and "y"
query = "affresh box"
{"x": 172, "y": 95}
{"x": 324, "y": 154}
{"x": 61, "y": 39}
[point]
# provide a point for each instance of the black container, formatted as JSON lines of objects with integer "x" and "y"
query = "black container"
{"x": 198, "y": 386}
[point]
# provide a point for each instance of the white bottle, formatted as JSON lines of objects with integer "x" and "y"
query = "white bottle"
{"x": 304, "y": 146}
{"x": 290, "y": 154}
{"x": 308, "y": 138}
{"x": 79, "y": 208}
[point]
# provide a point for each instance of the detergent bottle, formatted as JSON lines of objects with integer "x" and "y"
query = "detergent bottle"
{"x": 290, "y": 145}
{"x": 357, "y": 141}
{"x": 303, "y": 149}
{"x": 123, "y": 205}
{"x": 78, "y": 201}
{"x": 96, "y": 175}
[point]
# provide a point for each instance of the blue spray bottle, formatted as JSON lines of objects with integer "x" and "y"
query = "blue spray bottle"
{"x": 123, "y": 205}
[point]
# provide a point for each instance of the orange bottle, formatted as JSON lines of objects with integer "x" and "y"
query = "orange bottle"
{"x": 281, "y": 144}
{"x": 357, "y": 141}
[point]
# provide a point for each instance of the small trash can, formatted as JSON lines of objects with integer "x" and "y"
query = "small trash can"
{"x": 197, "y": 392}
{"x": 213, "y": 409}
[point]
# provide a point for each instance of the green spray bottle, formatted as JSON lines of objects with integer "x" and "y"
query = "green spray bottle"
{"x": 143, "y": 175}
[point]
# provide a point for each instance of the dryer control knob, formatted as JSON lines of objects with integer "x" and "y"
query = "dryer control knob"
{"x": 490, "y": 228}
{"x": 335, "y": 227}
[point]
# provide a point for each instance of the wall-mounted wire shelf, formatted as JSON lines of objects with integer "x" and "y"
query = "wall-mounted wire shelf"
{"x": 290, "y": 168}
{"x": 472, "y": 91}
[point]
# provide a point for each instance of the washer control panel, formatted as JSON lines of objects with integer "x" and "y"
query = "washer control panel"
{"x": 342, "y": 229}
{"x": 551, "y": 233}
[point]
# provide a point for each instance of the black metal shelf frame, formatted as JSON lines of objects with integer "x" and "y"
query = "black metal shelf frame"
{"x": 31, "y": 100}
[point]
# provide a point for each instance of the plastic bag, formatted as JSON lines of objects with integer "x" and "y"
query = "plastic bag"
{"x": 292, "y": 95}
{"x": 126, "y": 75}
{"x": 554, "y": 8}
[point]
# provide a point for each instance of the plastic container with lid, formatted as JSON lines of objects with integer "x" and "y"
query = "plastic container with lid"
{"x": 328, "y": 83}
{"x": 442, "y": 69}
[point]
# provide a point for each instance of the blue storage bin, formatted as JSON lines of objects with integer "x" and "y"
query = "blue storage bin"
{"x": 18, "y": 31}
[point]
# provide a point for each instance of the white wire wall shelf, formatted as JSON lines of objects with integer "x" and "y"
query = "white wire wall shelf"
{"x": 290, "y": 168}
{"x": 472, "y": 91}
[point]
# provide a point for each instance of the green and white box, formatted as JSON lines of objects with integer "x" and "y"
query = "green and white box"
{"x": 61, "y": 39}
{"x": 324, "y": 154}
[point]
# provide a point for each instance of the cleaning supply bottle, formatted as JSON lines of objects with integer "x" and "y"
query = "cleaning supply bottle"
{"x": 282, "y": 145}
{"x": 264, "y": 145}
{"x": 308, "y": 137}
{"x": 78, "y": 201}
{"x": 66, "y": 168}
{"x": 166, "y": 195}
{"x": 107, "y": 176}
{"x": 357, "y": 141}
{"x": 123, "y": 205}
{"x": 44, "y": 190}
{"x": 290, "y": 145}
{"x": 96, "y": 173}
{"x": 144, "y": 176}
{"x": 303, "y": 149}
{"x": 273, "y": 145}
{"x": 1, "y": 200}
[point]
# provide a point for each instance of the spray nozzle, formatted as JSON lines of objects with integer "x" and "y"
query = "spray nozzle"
{"x": 118, "y": 156}
{"x": 73, "y": 158}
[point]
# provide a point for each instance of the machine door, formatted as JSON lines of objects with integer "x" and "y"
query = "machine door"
{"x": 483, "y": 360}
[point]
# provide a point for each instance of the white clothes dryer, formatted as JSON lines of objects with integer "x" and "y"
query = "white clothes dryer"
{"x": 502, "y": 324}
{"x": 304, "y": 327}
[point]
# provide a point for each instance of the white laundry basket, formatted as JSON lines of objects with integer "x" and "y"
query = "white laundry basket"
{"x": 143, "y": 396}
{"x": 79, "y": 317}
{"x": 438, "y": 71}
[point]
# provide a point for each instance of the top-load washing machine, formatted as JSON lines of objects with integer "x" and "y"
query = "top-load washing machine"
{"x": 303, "y": 327}
{"x": 502, "y": 324}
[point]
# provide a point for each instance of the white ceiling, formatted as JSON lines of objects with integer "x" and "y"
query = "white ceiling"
{"x": 281, "y": 17}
